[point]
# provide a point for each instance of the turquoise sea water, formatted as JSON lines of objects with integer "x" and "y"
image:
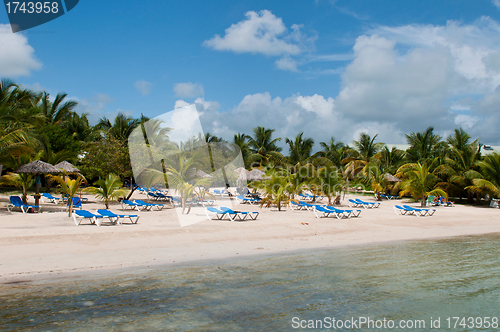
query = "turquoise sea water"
{"x": 458, "y": 277}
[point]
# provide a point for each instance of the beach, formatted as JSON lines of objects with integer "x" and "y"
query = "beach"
{"x": 49, "y": 244}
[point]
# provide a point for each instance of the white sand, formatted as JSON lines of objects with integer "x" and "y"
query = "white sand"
{"x": 34, "y": 246}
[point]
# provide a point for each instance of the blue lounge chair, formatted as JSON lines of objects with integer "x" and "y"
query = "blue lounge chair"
{"x": 16, "y": 201}
{"x": 347, "y": 213}
{"x": 366, "y": 205}
{"x": 242, "y": 215}
{"x": 80, "y": 215}
{"x": 243, "y": 200}
{"x": 321, "y": 211}
{"x": 423, "y": 212}
{"x": 296, "y": 205}
{"x": 406, "y": 211}
{"x": 109, "y": 214}
{"x": 50, "y": 198}
{"x": 126, "y": 204}
{"x": 217, "y": 214}
{"x": 77, "y": 203}
{"x": 148, "y": 206}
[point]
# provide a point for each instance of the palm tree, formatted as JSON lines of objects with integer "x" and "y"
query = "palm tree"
{"x": 333, "y": 151}
{"x": 330, "y": 182}
{"x": 263, "y": 147}
{"x": 22, "y": 181}
{"x": 423, "y": 145}
{"x": 300, "y": 149}
{"x": 241, "y": 140}
{"x": 461, "y": 166}
{"x": 56, "y": 111}
{"x": 109, "y": 189}
{"x": 277, "y": 187}
{"x": 365, "y": 149}
{"x": 121, "y": 128}
{"x": 418, "y": 182}
{"x": 69, "y": 187}
{"x": 490, "y": 169}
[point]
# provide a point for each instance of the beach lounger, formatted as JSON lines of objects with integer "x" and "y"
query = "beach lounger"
{"x": 109, "y": 214}
{"x": 243, "y": 200}
{"x": 50, "y": 198}
{"x": 355, "y": 203}
{"x": 217, "y": 214}
{"x": 296, "y": 206}
{"x": 16, "y": 201}
{"x": 367, "y": 205}
{"x": 150, "y": 206}
{"x": 242, "y": 215}
{"x": 80, "y": 215}
{"x": 126, "y": 204}
{"x": 423, "y": 212}
{"x": 347, "y": 213}
{"x": 407, "y": 211}
{"x": 77, "y": 203}
{"x": 320, "y": 212}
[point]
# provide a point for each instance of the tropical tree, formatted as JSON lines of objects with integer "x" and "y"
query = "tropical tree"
{"x": 56, "y": 111}
{"x": 333, "y": 151}
{"x": 69, "y": 187}
{"x": 109, "y": 189}
{"x": 418, "y": 182}
{"x": 241, "y": 140}
{"x": 330, "y": 181}
{"x": 490, "y": 183}
{"x": 22, "y": 181}
{"x": 460, "y": 167}
{"x": 263, "y": 148}
{"x": 120, "y": 129}
{"x": 300, "y": 149}
{"x": 276, "y": 187}
{"x": 364, "y": 150}
{"x": 424, "y": 145}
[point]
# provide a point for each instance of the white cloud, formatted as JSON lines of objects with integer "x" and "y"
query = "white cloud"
{"x": 496, "y": 3}
{"x": 287, "y": 63}
{"x": 261, "y": 32}
{"x": 96, "y": 107}
{"x": 16, "y": 55}
{"x": 144, "y": 87}
{"x": 188, "y": 90}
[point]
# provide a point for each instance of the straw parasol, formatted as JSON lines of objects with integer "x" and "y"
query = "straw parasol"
{"x": 391, "y": 178}
{"x": 255, "y": 174}
{"x": 67, "y": 167}
{"x": 37, "y": 167}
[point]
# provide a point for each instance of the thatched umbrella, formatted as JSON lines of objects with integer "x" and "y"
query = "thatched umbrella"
{"x": 391, "y": 178}
{"x": 67, "y": 167}
{"x": 255, "y": 174}
{"x": 37, "y": 167}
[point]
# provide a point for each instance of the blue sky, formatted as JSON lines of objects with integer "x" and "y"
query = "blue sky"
{"x": 328, "y": 68}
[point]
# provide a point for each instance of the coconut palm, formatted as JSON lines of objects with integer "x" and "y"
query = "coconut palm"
{"x": 56, "y": 111}
{"x": 418, "y": 182}
{"x": 69, "y": 187}
{"x": 461, "y": 165}
{"x": 364, "y": 150}
{"x": 263, "y": 148}
{"x": 490, "y": 169}
{"x": 22, "y": 181}
{"x": 330, "y": 181}
{"x": 423, "y": 145}
{"x": 241, "y": 140}
{"x": 300, "y": 149}
{"x": 277, "y": 188}
{"x": 109, "y": 189}
{"x": 333, "y": 151}
{"x": 121, "y": 128}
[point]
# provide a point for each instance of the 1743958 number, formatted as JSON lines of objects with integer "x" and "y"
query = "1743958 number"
{"x": 32, "y": 7}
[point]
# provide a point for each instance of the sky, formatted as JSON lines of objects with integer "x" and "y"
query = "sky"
{"x": 327, "y": 68}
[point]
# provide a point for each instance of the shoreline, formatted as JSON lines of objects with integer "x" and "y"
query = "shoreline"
{"x": 49, "y": 245}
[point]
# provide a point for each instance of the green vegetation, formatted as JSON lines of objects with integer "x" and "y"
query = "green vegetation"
{"x": 36, "y": 126}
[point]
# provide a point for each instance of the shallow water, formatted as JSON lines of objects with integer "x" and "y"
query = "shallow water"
{"x": 398, "y": 281}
